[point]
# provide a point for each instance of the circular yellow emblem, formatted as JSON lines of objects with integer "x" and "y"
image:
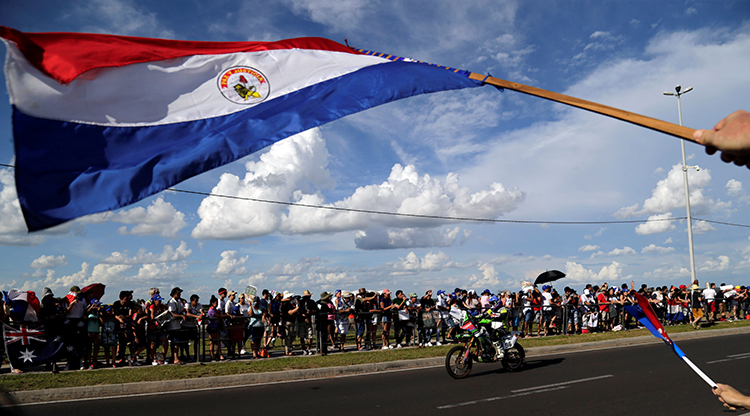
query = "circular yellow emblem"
{"x": 244, "y": 85}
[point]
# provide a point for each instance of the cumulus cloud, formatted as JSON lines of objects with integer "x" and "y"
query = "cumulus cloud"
{"x": 168, "y": 254}
{"x": 48, "y": 262}
{"x": 669, "y": 195}
{"x": 302, "y": 266}
{"x": 412, "y": 264}
{"x": 625, "y": 251}
{"x": 702, "y": 227}
{"x": 13, "y": 231}
{"x": 588, "y": 247}
{"x": 653, "y": 248}
{"x": 715, "y": 265}
{"x": 159, "y": 218}
{"x": 231, "y": 264}
{"x": 292, "y": 167}
{"x": 734, "y": 187}
{"x": 379, "y": 238}
{"x": 656, "y": 224}
{"x": 578, "y": 273}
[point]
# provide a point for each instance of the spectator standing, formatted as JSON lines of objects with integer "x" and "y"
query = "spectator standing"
{"x": 156, "y": 332}
{"x": 94, "y": 327}
{"x": 122, "y": 310}
{"x": 362, "y": 317}
{"x": 603, "y": 303}
{"x": 325, "y": 321}
{"x": 193, "y": 315}
{"x": 289, "y": 309}
{"x": 308, "y": 312}
{"x": 176, "y": 308}
{"x": 400, "y": 317}
{"x": 443, "y": 307}
{"x": 344, "y": 307}
{"x": 547, "y": 310}
{"x": 214, "y": 317}
{"x": 709, "y": 294}
{"x": 696, "y": 304}
{"x": 385, "y": 308}
{"x": 426, "y": 322}
{"x": 255, "y": 325}
{"x": 242, "y": 311}
{"x": 274, "y": 319}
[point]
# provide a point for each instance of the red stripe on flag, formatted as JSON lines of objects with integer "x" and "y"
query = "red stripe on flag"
{"x": 64, "y": 56}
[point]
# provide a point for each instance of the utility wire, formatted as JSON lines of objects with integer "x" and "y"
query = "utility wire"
{"x": 439, "y": 217}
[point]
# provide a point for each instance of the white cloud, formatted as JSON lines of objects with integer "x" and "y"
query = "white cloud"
{"x": 302, "y": 266}
{"x": 378, "y": 238}
{"x": 412, "y": 264}
{"x": 168, "y": 254}
{"x": 719, "y": 264}
{"x": 48, "y": 262}
{"x": 656, "y": 224}
{"x": 625, "y": 251}
{"x": 13, "y": 231}
{"x": 702, "y": 227}
{"x": 734, "y": 187}
{"x": 231, "y": 264}
{"x": 669, "y": 195}
{"x": 578, "y": 273}
{"x": 121, "y": 17}
{"x": 298, "y": 162}
{"x": 653, "y": 248}
{"x": 159, "y": 218}
{"x": 293, "y": 167}
{"x": 588, "y": 247}
{"x": 339, "y": 14}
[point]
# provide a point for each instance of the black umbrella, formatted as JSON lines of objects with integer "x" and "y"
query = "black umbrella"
{"x": 549, "y": 276}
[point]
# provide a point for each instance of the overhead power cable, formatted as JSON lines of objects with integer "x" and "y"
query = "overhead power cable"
{"x": 440, "y": 217}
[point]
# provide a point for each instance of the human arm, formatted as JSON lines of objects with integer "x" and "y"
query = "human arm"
{"x": 731, "y": 398}
{"x": 731, "y": 136}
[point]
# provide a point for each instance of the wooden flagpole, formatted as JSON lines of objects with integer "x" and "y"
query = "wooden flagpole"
{"x": 637, "y": 119}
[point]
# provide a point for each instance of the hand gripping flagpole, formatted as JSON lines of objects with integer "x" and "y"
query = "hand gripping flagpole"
{"x": 645, "y": 315}
{"x": 630, "y": 117}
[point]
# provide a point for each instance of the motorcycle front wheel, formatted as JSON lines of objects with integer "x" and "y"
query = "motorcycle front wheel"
{"x": 514, "y": 358}
{"x": 455, "y": 364}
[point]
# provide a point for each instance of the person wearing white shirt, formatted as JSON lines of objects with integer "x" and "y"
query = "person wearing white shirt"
{"x": 709, "y": 295}
{"x": 176, "y": 308}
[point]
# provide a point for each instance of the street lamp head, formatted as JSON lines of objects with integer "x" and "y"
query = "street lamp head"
{"x": 687, "y": 90}
{"x": 677, "y": 88}
{"x": 668, "y": 93}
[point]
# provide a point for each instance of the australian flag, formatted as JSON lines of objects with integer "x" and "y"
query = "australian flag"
{"x": 27, "y": 346}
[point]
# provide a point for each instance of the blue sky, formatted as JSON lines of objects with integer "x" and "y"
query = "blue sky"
{"x": 473, "y": 153}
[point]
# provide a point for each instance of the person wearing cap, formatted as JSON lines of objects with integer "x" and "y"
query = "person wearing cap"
{"x": 193, "y": 315}
{"x": 385, "y": 308}
{"x": 426, "y": 322}
{"x": 696, "y": 304}
{"x": 413, "y": 308}
{"x": 222, "y": 299}
{"x": 274, "y": 320}
{"x": 213, "y": 323}
{"x": 443, "y": 306}
{"x": 122, "y": 310}
{"x": 484, "y": 300}
{"x": 289, "y": 316}
{"x": 325, "y": 322}
{"x": 344, "y": 307}
{"x": 156, "y": 332}
{"x": 308, "y": 309}
{"x": 400, "y": 318}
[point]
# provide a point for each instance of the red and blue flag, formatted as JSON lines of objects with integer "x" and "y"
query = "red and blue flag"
{"x": 103, "y": 121}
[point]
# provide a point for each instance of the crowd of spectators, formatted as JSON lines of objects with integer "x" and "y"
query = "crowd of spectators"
{"x": 157, "y": 331}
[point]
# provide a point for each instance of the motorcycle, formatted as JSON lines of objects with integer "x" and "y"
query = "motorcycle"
{"x": 484, "y": 339}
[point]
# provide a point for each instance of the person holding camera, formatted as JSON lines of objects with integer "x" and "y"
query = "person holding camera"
{"x": 289, "y": 310}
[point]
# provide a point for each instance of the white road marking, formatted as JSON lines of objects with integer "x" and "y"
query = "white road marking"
{"x": 510, "y": 396}
{"x": 564, "y": 383}
{"x": 527, "y": 391}
{"x": 731, "y": 358}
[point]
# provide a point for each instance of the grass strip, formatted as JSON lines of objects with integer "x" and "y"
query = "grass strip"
{"x": 40, "y": 381}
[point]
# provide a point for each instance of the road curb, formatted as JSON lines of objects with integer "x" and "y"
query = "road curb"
{"x": 240, "y": 380}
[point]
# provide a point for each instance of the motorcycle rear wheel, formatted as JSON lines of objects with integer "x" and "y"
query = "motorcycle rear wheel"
{"x": 514, "y": 358}
{"x": 455, "y": 364}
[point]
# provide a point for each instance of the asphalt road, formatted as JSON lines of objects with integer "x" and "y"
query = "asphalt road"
{"x": 641, "y": 380}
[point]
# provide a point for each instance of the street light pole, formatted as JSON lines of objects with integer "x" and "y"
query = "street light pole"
{"x": 685, "y": 168}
